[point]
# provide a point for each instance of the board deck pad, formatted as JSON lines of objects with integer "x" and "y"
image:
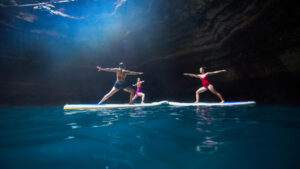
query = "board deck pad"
{"x": 103, "y": 106}
{"x": 106, "y": 106}
{"x": 213, "y": 104}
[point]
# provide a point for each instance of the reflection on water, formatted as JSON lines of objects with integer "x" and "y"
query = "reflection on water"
{"x": 149, "y": 137}
{"x": 203, "y": 117}
{"x": 69, "y": 138}
{"x": 209, "y": 145}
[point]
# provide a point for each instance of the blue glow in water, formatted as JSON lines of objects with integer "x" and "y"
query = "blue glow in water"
{"x": 152, "y": 137}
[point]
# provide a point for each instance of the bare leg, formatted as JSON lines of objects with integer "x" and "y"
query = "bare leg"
{"x": 131, "y": 91}
{"x": 109, "y": 94}
{"x": 200, "y": 90}
{"x": 141, "y": 95}
{"x": 135, "y": 96}
{"x": 213, "y": 90}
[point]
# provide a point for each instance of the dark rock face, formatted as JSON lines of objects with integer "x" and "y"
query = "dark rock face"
{"x": 257, "y": 41}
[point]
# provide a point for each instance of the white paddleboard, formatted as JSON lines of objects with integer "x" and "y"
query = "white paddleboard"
{"x": 105, "y": 106}
{"x": 213, "y": 104}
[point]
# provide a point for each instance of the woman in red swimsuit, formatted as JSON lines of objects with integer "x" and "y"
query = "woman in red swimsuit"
{"x": 205, "y": 83}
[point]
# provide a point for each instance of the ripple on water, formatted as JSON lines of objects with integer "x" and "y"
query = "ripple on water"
{"x": 69, "y": 138}
{"x": 133, "y": 138}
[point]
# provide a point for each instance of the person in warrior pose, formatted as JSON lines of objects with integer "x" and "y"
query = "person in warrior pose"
{"x": 120, "y": 83}
{"x": 138, "y": 90}
{"x": 205, "y": 83}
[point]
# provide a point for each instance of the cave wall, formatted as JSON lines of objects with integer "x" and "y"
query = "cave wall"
{"x": 257, "y": 41}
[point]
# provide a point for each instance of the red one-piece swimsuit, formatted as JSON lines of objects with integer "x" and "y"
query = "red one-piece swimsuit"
{"x": 204, "y": 81}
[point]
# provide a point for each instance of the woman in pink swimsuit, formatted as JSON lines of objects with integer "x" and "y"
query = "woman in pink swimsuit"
{"x": 138, "y": 90}
{"x": 205, "y": 83}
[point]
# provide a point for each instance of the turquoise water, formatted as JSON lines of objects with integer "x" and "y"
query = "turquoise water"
{"x": 241, "y": 137}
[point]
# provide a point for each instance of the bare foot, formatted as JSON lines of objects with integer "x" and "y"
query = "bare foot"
{"x": 98, "y": 68}
{"x": 196, "y": 101}
{"x": 142, "y": 103}
{"x": 222, "y": 101}
{"x": 131, "y": 103}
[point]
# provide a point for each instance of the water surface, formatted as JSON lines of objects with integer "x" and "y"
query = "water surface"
{"x": 242, "y": 137}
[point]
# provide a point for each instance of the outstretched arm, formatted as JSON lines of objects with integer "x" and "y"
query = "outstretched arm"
{"x": 138, "y": 82}
{"x": 106, "y": 69}
{"x": 216, "y": 72}
{"x": 133, "y": 73}
{"x": 191, "y": 75}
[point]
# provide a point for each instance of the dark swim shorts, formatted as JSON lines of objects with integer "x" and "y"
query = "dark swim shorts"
{"x": 120, "y": 85}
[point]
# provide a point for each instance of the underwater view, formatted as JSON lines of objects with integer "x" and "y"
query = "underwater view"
{"x": 163, "y": 136}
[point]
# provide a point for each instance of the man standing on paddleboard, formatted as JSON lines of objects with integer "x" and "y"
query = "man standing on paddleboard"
{"x": 205, "y": 83}
{"x": 120, "y": 83}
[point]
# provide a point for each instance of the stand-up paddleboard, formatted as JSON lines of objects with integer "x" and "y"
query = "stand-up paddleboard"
{"x": 213, "y": 104}
{"x": 106, "y": 106}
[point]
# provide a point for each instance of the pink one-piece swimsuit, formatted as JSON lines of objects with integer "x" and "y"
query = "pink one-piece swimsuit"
{"x": 138, "y": 90}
